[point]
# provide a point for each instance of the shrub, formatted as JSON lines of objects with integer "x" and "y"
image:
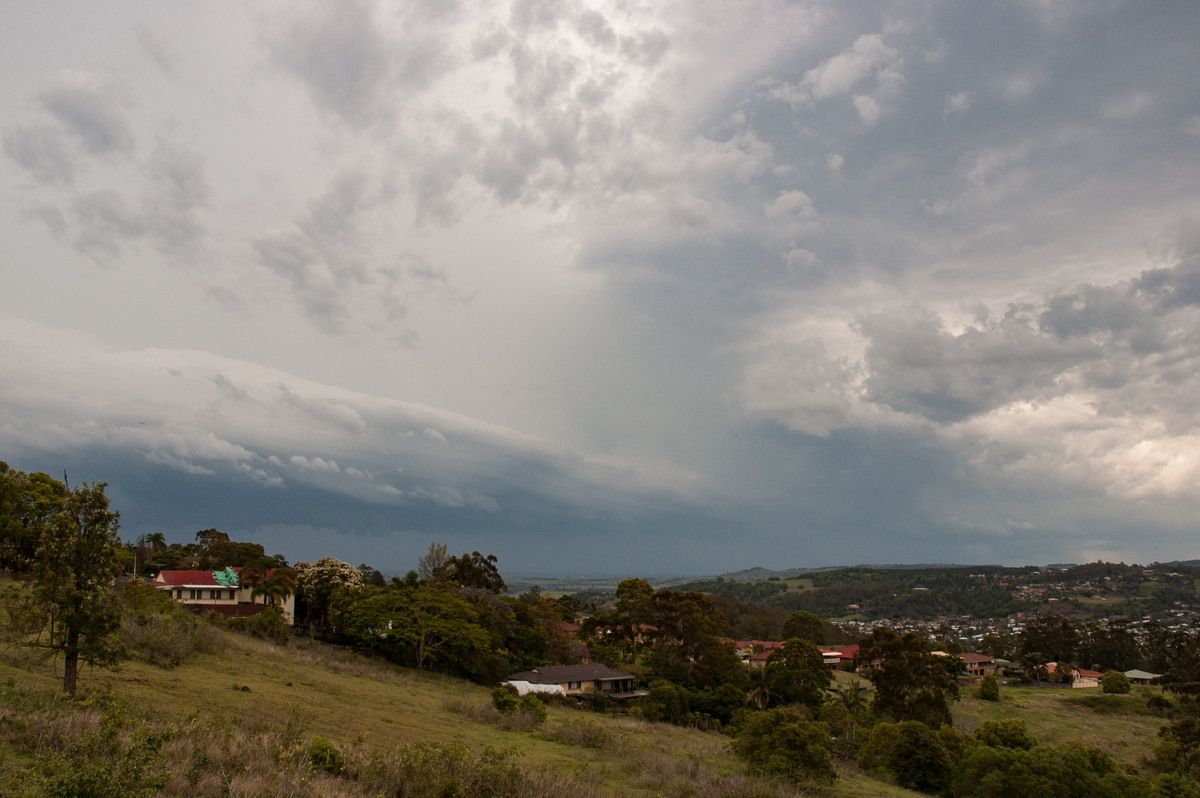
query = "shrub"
{"x": 1115, "y": 682}
{"x": 531, "y": 705}
{"x": 157, "y": 630}
{"x": 873, "y": 754}
{"x": 270, "y": 625}
{"x": 324, "y": 757}
{"x": 504, "y": 699}
{"x": 584, "y": 733}
{"x": 919, "y": 761}
{"x": 1005, "y": 734}
{"x": 598, "y": 701}
{"x": 121, "y": 758}
{"x": 784, "y": 742}
{"x": 1158, "y": 702}
{"x": 989, "y": 688}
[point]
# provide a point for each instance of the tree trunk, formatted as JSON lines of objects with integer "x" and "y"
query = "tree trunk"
{"x": 71, "y": 662}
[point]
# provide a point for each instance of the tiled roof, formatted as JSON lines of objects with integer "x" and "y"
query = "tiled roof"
{"x": 556, "y": 674}
{"x": 178, "y": 578}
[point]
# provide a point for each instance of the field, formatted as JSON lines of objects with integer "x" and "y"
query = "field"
{"x": 276, "y": 701}
{"x": 365, "y": 707}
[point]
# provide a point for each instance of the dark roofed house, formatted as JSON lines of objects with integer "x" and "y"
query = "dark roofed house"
{"x": 580, "y": 679}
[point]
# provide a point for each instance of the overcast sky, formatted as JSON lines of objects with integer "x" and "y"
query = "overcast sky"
{"x": 611, "y": 287}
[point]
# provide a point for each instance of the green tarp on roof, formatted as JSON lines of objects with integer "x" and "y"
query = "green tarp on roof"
{"x": 228, "y": 577}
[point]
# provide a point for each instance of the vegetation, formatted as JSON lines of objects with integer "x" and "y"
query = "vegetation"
{"x": 228, "y": 719}
{"x": 69, "y": 608}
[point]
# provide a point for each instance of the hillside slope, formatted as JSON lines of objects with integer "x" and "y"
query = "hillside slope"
{"x": 308, "y": 719}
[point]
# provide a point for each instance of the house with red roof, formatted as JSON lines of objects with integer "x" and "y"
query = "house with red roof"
{"x": 225, "y": 592}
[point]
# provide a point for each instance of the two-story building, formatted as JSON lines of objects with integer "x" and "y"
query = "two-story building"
{"x": 223, "y": 591}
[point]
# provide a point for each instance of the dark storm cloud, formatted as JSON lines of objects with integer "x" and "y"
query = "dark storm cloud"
{"x": 917, "y": 366}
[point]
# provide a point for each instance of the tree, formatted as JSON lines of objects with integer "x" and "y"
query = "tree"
{"x": 919, "y": 760}
{"x": 27, "y": 502}
{"x": 371, "y": 576}
{"x": 316, "y": 583}
{"x": 431, "y": 566}
{"x": 1115, "y": 682}
{"x": 72, "y": 609}
{"x": 783, "y": 742}
{"x": 806, "y": 626}
{"x": 910, "y": 682}
{"x": 473, "y": 570}
{"x": 852, "y": 697}
{"x": 797, "y": 673}
{"x": 434, "y": 626}
{"x": 989, "y": 688}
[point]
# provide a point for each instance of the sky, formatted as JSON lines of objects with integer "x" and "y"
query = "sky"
{"x": 611, "y": 287}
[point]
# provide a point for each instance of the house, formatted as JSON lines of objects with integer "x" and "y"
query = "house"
{"x": 223, "y": 591}
{"x": 1085, "y": 678}
{"x": 840, "y": 659}
{"x": 581, "y": 679}
{"x": 1141, "y": 677}
{"x": 754, "y": 652}
{"x": 979, "y": 664}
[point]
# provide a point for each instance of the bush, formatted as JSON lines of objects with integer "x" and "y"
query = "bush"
{"x": 919, "y": 761}
{"x": 533, "y": 707}
{"x": 505, "y": 700}
{"x": 784, "y": 742}
{"x": 989, "y": 688}
{"x": 159, "y": 631}
{"x": 324, "y": 757}
{"x": 269, "y": 625}
{"x": 598, "y": 701}
{"x": 1115, "y": 682}
{"x": 1005, "y": 734}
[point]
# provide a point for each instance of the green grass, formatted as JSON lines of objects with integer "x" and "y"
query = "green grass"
{"x": 365, "y": 706}
{"x": 362, "y": 706}
{"x": 1121, "y": 726}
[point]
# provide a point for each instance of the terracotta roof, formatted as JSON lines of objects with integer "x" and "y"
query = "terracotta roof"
{"x": 178, "y": 578}
{"x": 969, "y": 658}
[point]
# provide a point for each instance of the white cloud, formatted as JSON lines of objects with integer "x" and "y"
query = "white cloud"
{"x": 612, "y": 268}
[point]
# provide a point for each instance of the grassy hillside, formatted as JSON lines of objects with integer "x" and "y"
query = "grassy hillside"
{"x": 256, "y": 718}
{"x": 244, "y": 721}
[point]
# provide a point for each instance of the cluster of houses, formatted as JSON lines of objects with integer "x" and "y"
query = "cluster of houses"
{"x": 229, "y": 593}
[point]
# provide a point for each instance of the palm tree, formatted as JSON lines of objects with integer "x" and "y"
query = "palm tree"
{"x": 853, "y": 697}
{"x": 255, "y": 577}
{"x": 275, "y": 586}
{"x": 761, "y": 695}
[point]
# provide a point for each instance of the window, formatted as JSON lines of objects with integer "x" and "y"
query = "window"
{"x": 574, "y": 685}
{"x": 191, "y": 594}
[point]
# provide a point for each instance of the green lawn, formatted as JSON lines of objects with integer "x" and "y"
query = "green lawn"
{"x": 1121, "y": 726}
